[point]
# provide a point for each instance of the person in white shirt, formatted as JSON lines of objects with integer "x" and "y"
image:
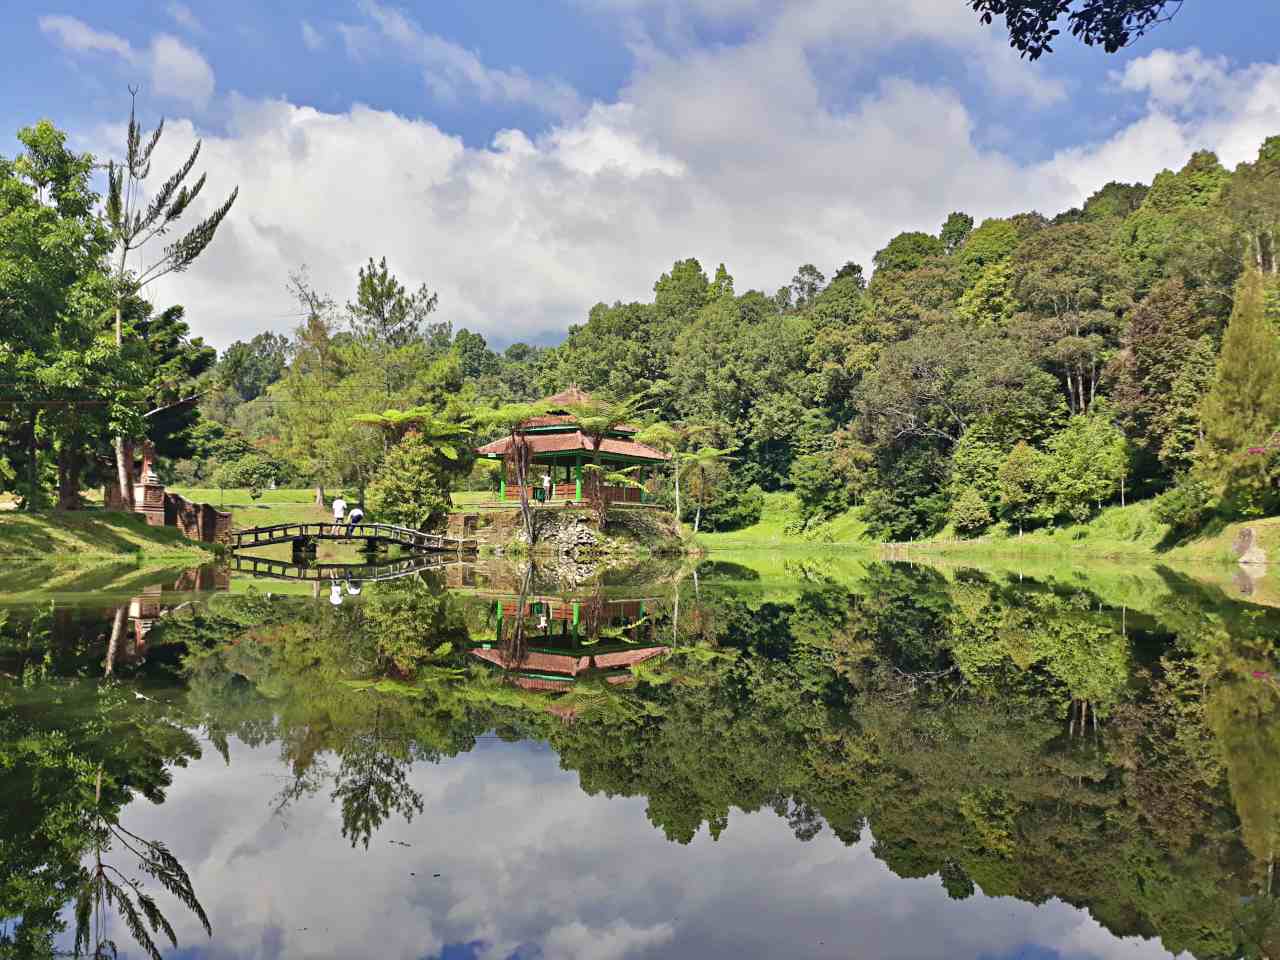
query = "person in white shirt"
{"x": 339, "y": 509}
{"x": 546, "y": 487}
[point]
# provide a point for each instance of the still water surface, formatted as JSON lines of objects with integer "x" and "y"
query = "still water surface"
{"x": 809, "y": 757}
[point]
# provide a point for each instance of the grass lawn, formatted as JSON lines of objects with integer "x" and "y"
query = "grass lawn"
{"x": 1117, "y": 533}
{"x": 776, "y": 528}
{"x": 271, "y": 507}
{"x": 73, "y": 537}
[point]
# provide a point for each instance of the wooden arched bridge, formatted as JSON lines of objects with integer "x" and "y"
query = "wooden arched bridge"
{"x": 374, "y": 535}
{"x": 347, "y": 572}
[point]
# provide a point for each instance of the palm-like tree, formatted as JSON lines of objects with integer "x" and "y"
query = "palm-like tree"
{"x": 698, "y": 463}
{"x": 509, "y": 420}
{"x": 445, "y": 435}
{"x": 670, "y": 438}
{"x": 599, "y": 415}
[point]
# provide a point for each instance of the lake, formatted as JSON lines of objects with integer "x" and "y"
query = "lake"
{"x": 777, "y": 755}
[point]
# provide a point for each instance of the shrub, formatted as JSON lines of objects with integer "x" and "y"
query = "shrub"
{"x": 731, "y": 508}
{"x": 821, "y": 491}
{"x": 969, "y": 512}
{"x": 256, "y": 471}
{"x": 1186, "y": 505}
{"x": 411, "y": 488}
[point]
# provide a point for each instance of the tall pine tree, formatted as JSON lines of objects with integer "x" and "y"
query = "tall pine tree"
{"x": 1242, "y": 408}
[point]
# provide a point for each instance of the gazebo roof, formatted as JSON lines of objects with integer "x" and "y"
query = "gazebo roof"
{"x": 576, "y": 442}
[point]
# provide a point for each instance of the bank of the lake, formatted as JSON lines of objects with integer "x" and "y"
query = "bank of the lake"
{"x": 1116, "y": 533}
{"x": 77, "y": 538}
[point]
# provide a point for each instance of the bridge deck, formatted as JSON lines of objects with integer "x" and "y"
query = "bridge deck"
{"x": 357, "y": 572}
{"x": 369, "y": 532}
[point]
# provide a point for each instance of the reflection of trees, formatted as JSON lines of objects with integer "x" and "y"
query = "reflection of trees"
{"x": 372, "y": 782}
{"x": 74, "y": 754}
{"x": 942, "y": 712}
{"x": 105, "y": 887}
{"x": 308, "y": 678}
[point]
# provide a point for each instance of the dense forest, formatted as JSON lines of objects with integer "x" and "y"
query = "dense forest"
{"x": 1022, "y": 371}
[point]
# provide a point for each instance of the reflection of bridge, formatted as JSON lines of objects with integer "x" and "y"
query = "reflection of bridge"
{"x": 357, "y": 572}
{"x": 373, "y": 534}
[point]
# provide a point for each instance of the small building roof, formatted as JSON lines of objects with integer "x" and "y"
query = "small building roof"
{"x": 574, "y": 442}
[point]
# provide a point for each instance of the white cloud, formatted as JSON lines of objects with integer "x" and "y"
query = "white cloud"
{"x": 312, "y": 38}
{"x": 179, "y": 71}
{"x": 853, "y": 30}
{"x": 1193, "y": 103}
{"x": 79, "y": 37}
{"x": 511, "y": 852}
{"x": 176, "y": 70}
{"x": 577, "y": 941}
{"x": 184, "y": 17}
{"x": 452, "y": 72}
{"x": 729, "y": 153}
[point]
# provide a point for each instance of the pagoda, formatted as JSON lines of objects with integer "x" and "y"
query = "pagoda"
{"x": 559, "y": 450}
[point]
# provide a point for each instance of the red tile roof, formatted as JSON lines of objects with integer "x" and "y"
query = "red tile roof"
{"x": 576, "y": 441}
{"x": 628, "y": 658}
{"x": 540, "y": 662}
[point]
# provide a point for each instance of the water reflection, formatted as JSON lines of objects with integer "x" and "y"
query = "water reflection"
{"x": 507, "y": 761}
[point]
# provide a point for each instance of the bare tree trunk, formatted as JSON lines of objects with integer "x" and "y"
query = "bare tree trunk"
{"x": 320, "y": 493}
{"x": 117, "y": 630}
{"x": 697, "y": 517}
{"x": 124, "y": 454}
{"x": 677, "y": 496}
{"x": 68, "y": 478}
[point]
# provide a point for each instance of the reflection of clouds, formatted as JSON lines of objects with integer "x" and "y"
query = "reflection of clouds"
{"x": 530, "y": 864}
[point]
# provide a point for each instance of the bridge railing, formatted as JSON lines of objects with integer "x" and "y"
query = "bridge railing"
{"x": 282, "y": 532}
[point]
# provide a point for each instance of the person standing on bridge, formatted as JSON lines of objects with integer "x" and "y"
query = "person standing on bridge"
{"x": 339, "y": 509}
{"x": 356, "y": 515}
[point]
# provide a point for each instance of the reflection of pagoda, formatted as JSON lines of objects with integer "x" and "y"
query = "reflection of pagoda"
{"x": 157, "y": 599}
{"x": 550, "y": 643}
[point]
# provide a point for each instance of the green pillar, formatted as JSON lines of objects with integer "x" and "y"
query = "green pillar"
{"x": 577, "y": 476}
{"x": 502, "y": 485}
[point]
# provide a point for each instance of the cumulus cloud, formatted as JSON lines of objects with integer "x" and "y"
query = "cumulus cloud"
{"x": 176, "y": 70}
{"x": 452, "y": 72}
{"x": 727, "y": 153}
{"x": 1192, "y": 103}
{"x": 530, "y": 865}
{"x": 179, "y": 71}
{"x": 850, "y": 30}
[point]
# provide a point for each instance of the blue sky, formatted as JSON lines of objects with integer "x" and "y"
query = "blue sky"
{"x": 528, "y": 160}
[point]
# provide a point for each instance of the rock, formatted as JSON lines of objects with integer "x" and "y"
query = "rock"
{"x": 1246, "y": 548}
